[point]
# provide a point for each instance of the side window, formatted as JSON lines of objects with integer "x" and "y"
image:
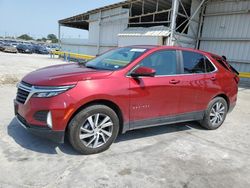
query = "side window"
{"x": 163, "y": 62}
{"x": 209, "y": 66}
{"x": 193, "y": 62}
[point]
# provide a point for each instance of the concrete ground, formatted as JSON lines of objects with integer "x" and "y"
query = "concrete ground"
{"x": 179, "y": 155}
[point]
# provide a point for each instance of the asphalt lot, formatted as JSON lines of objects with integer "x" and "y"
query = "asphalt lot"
{"x": 178, "y": 155}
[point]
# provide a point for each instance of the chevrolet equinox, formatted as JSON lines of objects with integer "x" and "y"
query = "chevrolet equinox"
{"x": 125, "y": 89}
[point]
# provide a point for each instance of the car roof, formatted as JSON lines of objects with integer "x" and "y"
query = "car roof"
{"x": 143, "y": 46}
{"x": 159, "y": 47}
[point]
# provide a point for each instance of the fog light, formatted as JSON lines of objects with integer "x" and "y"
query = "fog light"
{"x": 49, "y": 120}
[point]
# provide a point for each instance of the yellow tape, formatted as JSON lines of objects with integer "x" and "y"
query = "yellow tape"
{"x": 73, "y": 55}
{"x": 244, "y": 74}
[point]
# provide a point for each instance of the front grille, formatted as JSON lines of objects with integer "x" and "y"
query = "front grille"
{"x": 23, "y": 92}
{"x": 21, "y": 95}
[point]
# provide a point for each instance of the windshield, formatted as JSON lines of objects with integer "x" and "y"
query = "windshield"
{"x": 116, "y": 59}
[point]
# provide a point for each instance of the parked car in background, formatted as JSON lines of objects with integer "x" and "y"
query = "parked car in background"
{"x": 24, "y": 48}
{"x": 2, "y": 46}
{"x": 125, "y": 89}
{"x": 15, "y": 44}
{"x": 40, "y": 49}
{"x": 52, "y": 47}
{"x": 9, "y": 48}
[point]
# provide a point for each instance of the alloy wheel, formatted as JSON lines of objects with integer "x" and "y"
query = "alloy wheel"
{"x": 217, "y": 113}
{"x": 96, "y": 130}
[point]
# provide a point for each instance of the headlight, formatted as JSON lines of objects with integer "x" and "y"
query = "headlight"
{"x": 45, "y": 92}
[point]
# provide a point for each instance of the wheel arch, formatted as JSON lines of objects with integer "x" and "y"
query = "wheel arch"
{"x": 105, "y": 102}
{"x": 224, "y": 97}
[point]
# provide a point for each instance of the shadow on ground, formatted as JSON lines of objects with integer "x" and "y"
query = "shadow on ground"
{"x": 244, "y": 85}
{"x": 34, "y": 143}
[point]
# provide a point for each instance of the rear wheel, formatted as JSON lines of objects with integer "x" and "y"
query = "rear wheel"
{"x": 215, "y": 114}
{"x": 93, "y": 129}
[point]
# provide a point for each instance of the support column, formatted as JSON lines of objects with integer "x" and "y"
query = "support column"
{"x": 175, "y": 8}
{"x": 99, "y": 33}
{"x": 201, "y": 20}
{"x": 59, "y": 36}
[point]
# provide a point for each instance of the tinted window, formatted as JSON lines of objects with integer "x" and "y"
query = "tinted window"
{"x": 193, "y": 62}
{"x": 163, "y": 62}
{"x": 209, "y": 66}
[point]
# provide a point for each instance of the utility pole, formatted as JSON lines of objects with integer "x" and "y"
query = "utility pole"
{"x": 175, "y": 7}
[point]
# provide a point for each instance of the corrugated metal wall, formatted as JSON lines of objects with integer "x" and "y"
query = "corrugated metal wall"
{"x": 81, "y": 46}
{"x": 104, "y": 28}
{"x": 226, "y": 31}
{"x": 104, "y": 31}
{"x": 139, "y": 40}
{"x": 143, "y": 36}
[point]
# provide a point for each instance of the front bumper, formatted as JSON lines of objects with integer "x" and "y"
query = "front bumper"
{"x": 44, "y": 132}
{"x": 10, "y": 50}
{"x": 61, "y": 108}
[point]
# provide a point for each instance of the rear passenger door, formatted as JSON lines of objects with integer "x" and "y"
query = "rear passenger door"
{"x": 192, "y": 82}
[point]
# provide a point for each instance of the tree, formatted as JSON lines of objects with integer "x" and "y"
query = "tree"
{"x": 25, "y": 37}
{"x": 53, "y": 38}
{"x": 42, "y": 39}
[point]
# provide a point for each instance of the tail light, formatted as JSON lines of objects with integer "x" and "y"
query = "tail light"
{"x": 237, "y": 79}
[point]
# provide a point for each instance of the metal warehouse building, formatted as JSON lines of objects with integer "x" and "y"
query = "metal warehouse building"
{"x": 218, "y": 26}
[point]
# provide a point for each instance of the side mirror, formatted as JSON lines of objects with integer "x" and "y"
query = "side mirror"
{"x": 143, "y": 71}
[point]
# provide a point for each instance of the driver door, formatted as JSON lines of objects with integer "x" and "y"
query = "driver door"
{"x": 155, "y": 99}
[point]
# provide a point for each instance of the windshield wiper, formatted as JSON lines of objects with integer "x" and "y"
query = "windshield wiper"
{"x": 91, "y": 67}
{"x": 97, "y": 68}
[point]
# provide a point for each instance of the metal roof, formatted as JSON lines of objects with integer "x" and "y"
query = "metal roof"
{"x": 146, "y": 31}
{"x": 81, "y": 20}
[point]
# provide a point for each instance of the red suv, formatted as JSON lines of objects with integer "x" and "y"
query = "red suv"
{"x": 124, "y": 89}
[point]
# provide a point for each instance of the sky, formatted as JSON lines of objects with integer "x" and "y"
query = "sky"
{"x": 38, "y": 18}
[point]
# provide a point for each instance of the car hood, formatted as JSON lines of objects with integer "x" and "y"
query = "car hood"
{"x": 60, "y": 75}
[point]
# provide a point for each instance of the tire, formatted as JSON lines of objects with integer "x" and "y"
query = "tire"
{"x": 89, "y": 136}
{"x": 215, "y": 114}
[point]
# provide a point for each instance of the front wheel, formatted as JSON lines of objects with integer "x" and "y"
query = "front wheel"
{"x": 215, "y": 114}
{"x": 93, "y": 129}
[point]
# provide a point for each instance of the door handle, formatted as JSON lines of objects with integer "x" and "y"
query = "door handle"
{"x": 213, "y": 78}
{"x": 174, "y": 81}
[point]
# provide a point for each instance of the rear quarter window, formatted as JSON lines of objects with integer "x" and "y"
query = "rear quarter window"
{"x": 209, "y": 66}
